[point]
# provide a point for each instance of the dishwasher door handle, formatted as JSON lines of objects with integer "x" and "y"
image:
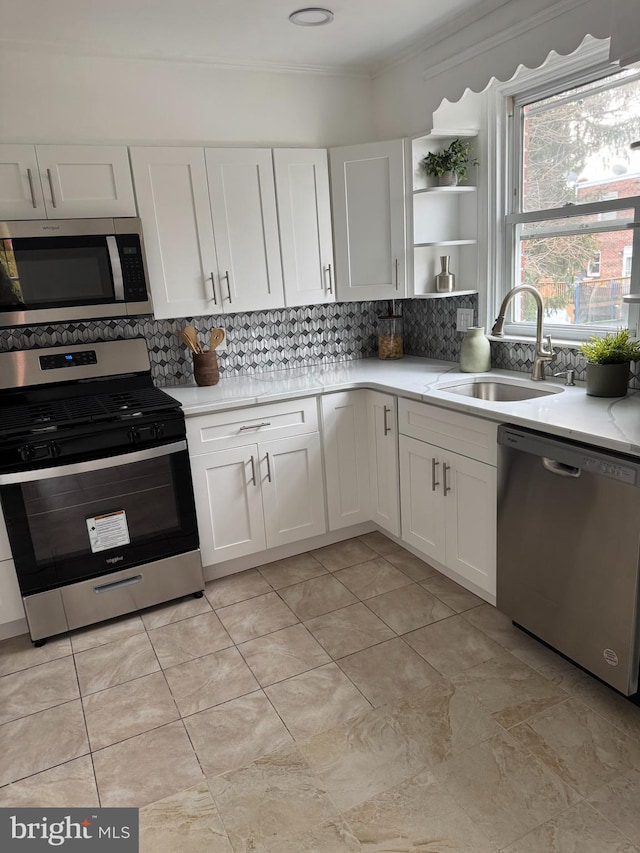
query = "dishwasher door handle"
{"x": 559, "y": 468}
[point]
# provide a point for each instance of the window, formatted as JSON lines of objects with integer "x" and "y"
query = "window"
{"x": 575, "y": 190}
{"x": 593, "y": 267}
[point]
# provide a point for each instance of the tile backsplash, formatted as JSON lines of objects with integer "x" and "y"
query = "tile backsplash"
{"x": 293, "y": 337}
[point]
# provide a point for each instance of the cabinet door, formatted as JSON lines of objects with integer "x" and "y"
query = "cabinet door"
{"x": 11, "y": 607}
{"x": 173, "y": 200}
{"x": 421, "y": 494}
{"x": 20, "y": 189}
{"x": 346, "y": 457}
{"x": 228, "y": 497}
{"x": 304, "y": 214}
{"x": 368, "y": 191}
{"x": 86, "y": 181}
{"x": 470, "y": 520}
{"x": 383, "y": 461}
{"x": 291, "y": 476}
{"x": 245, "y": 225}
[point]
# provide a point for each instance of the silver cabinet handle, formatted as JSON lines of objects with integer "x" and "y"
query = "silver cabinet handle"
{"x": 253, "y": 471}
{"x": 385, "y": 412}
{"x": 53, "y": 195}
{"x": 33, "y": 195}
{"x": 396, "y": 273}
{"x": 445, "y": 488}
{"x": 328, "y": 270}
{"x": 213, "y": 288}
{"x": 434, "y": 465}
{"x": 255, "y": 426}
{"x": 268, "y": 467}
{"x": 226, "y": 275}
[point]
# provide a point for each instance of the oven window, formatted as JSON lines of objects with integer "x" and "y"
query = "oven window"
{"x": 54, "y": 272}
{"x": 69, "y": 528}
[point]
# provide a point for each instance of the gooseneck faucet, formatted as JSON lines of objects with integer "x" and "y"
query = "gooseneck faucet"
{"x": 542, "y": 354}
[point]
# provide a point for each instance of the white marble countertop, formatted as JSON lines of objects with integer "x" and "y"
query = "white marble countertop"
{"x": 604, "y": 422}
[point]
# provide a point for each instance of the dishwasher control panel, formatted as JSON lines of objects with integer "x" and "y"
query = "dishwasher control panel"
{"x": 608, "y": 468}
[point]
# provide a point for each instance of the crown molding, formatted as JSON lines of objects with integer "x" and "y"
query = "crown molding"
{"x": 512, "y": 32}
{"x": 70, "y": 49}
{"x": 444, "y": 31}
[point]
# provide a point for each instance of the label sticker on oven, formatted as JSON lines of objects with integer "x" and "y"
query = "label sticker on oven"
{"x": 108, "y": 531}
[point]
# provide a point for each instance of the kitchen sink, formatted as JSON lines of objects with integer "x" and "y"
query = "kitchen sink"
{"x": 498, "y": 392}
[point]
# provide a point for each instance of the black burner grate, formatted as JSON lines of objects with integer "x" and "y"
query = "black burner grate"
{"x": 33, "y": 417}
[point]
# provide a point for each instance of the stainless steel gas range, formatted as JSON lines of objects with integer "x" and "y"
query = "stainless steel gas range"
{"x": 95, "y": 485}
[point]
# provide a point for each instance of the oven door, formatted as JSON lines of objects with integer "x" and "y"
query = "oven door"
{"x": 84, "y": 520}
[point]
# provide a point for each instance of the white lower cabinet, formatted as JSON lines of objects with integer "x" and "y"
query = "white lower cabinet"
{"x": 258, "y": 495}
{"x": 382, "y": 415}
{"x": 360, "y": 438}
{"x": 346, "y": 457}
{"x": 449, "y": 500}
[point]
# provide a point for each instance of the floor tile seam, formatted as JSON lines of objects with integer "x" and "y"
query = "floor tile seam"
{"x": 45, "y": 770}
{"x": 608, "y": 820}
{"x": 152, "y": 728}
{"x": 411, "y": 630}
{"x": 255, "y": 689}
{"x": 240, "y": 600}
{"x": 541, "y": 764}
{"x": 442, "y": 601}
{"x": 539, "y": 761}
{"x": 56, "y": 704}
{"x": 541, "y": 824}
{"x": 165, "y": 668}
{"x": 610, "y": 720}
{"x": 332, "y": 575}
{"x": 42, "y": 711}
{"x": 149, "y": 631}
{"x": 295, "y": 674}
{"x": 32, "y": 665}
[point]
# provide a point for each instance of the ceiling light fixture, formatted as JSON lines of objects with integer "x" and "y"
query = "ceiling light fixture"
{"x": 311, "y": 17}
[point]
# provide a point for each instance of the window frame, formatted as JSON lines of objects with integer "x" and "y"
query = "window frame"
{"x": 529, "y": 88}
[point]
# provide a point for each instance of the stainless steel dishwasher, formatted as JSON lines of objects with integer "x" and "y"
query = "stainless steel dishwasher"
{"x": 569, "y": 550}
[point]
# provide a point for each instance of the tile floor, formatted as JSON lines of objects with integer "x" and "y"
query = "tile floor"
{"x": 348, "y": 699}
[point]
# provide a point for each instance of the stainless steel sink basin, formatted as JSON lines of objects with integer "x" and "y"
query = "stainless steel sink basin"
{"x": 498, "y": 392}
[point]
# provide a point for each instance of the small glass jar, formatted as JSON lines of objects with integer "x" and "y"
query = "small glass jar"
{"x": 390, "y": 336}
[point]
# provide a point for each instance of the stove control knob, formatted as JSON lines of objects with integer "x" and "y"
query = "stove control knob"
{"x": 134, "y": 435}
{"x": 26, "y": 452}
{"x": 158, "y": 430}
{"x": 54, "y": 449}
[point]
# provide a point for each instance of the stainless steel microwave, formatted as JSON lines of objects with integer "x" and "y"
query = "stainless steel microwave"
{"x": 54, "y": 271}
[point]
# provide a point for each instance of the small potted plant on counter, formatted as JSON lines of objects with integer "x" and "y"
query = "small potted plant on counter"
{"x": 450, "y": 166}
{"x": 609, "y": 359}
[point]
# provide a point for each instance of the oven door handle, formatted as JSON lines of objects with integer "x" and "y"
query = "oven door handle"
{"x": 92, "y": 465}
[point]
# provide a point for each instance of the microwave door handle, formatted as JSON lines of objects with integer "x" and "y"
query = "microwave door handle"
{"x": 116, "y": 269}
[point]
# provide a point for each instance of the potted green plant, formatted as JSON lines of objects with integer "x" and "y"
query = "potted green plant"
{"x": 450, "y": 165}
{"x": 608, "y": 364}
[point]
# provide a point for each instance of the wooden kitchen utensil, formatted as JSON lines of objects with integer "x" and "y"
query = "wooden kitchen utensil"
{"x": 217, "y": 336}
{"x": 189, "y": 336}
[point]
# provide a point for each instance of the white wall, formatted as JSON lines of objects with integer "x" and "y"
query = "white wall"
{"x": 520, "y": 33}
{"x": 66, "y": 98}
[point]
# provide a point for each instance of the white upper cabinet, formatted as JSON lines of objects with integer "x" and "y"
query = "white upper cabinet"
{"x": 245, "y": 225}
{"x": 65, "y": 182}
{"x": 173, "y": 200}
{"x": 304, "y": 214}
{"x": 369, "y": 215}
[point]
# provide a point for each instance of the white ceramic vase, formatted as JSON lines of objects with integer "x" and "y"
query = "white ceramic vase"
{"x": 475, "y": 353}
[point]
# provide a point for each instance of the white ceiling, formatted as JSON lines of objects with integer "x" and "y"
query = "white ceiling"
{"x": 364, "y": 35}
